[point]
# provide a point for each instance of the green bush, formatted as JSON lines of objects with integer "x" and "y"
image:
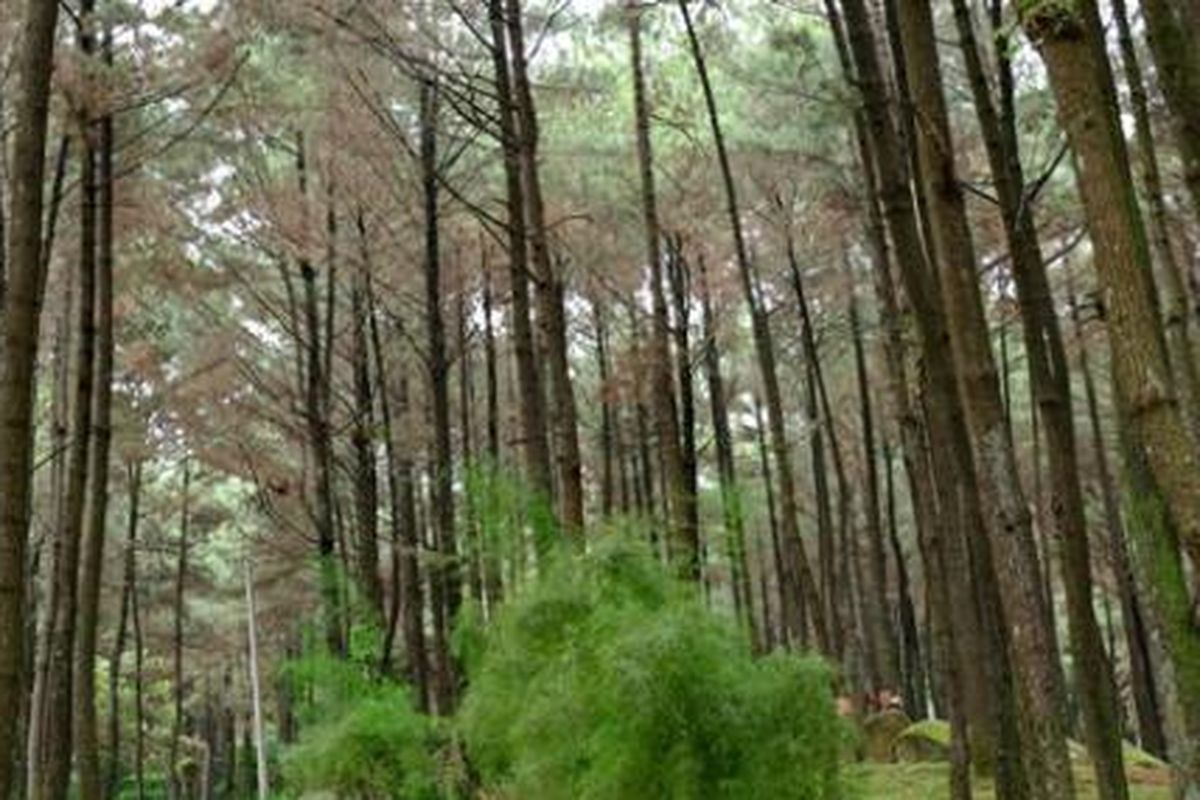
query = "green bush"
{"x": 365, "y": 740}
{"x": 607, "y": 680}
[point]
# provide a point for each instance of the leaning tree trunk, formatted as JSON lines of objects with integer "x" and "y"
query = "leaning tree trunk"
{"x": 549, "y": 285}
{"x": 94, "y": 533}
{"x": 681, "y": 502}
{"x": 1050, "y": 379}
{"x": 800, "y": 584}
{"x": 20, "y": 308}
{"x": 1070, "y": 40}
{"x": 58, "y": 733}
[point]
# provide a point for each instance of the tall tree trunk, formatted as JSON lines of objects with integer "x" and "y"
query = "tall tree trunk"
{"x": 260, "y": 739}
{"x": 94, "y": 533}
{"x": 466, "y": 392}
{"x": 407, "y": 599}
{"x": 731, "y": 501}
{"x": 680, "y": 281}
{"x": 682, "y": 502}
{"x": 549, "y": 286}
{"x": 493, "y": 557}
{"x": 1042, "y": 692}
{"x": 1050, "y": 385}
{"x": 317, "y": 429}
{"x": 911, "y": 665}
{"x": 1171, "y": 280}
{"x": 139, "y": 687}
{"x": 951, "y": 484}
{"x": 1162, "y": 467}
{"x": 779, "y": 633}
{"x": 1141, "y": 673}
{"x": 20, "y": 309}
{"x": 444, "y": 578}
{"x": 532, "y": 405}
{"x": 179, "y": 609}
{"x": 1172, "y": 28}
{"x": 113, "y": 776}
{"x": 797, "y": 576}
{"x": 880, "y": 630}
{"x": 58, "y": 734}
{"x": 366, "y": 480}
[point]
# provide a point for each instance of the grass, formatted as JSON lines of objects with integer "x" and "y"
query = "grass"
{"x": 929, "y": 781}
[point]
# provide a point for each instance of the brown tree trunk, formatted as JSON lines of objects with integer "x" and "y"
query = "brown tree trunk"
{"x": 1043, "y": 695}
{"x": 407, "y": 608}
{"x": 1162, "y": 464}
{"x": 320, "y": 446}
{"x": 178, "y": 611}
{"x": 1171, "y": 280}
{"x": 880, "y": 630}
{"x": 535, "y": 443}
{"x": 58, "y": 733}
{"x": 797, "y": 577}
{"x": 1171, "y": 28}
{"x": 1050, "y": 385}
{"x": 445, "y": 589}
{"x": 681, "y": 502}
{"x": 113, "y": 774}
{"x": 731, "y": 500}
{"x": 1141, "y": 674}
{"x": 94, "y": 533}
{"x": 549, "y": 284}
{"x": 946, "y": 488}
{"x": 366, "y": 480}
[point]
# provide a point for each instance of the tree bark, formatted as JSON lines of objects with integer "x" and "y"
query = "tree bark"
{"x": 445, "y": 587}
{"x": 1162, "y": 467}
{"x": 797, "y": 577}
{"x": 1050, "y": 385}
{"x": 536, "y": 445}
{"x": 260, "y": 740}
{"x": 366, "y": 479}
{"x": 179, "y": 610}
{"x": 681, "y": 501}
{"x": 94, "y": 533}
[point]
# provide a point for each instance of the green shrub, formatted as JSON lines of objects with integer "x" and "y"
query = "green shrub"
{"x": 365, "y": 739}
{"x": 607, "y": 680}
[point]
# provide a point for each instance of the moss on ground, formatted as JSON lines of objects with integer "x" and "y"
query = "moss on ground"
{"x": 927, "y": 781}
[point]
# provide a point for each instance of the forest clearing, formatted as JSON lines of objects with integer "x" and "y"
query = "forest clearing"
{"x": 600, "y": 399}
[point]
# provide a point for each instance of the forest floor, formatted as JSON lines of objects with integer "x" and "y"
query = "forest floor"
{"x": 929, "y": 781}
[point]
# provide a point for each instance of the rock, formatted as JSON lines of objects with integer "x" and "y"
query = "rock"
{"x": 880, "y": 732}
{"x": 927, "y": 740}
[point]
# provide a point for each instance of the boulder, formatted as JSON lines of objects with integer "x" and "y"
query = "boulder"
{"x": 880, "y": 731}
{"x": 927, "y": 740}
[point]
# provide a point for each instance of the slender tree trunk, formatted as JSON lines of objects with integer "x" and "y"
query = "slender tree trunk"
{"x": 549, "y": 284}
{"x": 536, "y": 445}
{"x": 94, "y": 533}
{"x": 779, "y": 633}
{"x": 801, "y": 586}
{"x": 139, "y": 687}
{"x": 912, "y": 667}
{"x": 1171, "y": 280}
{"x": 466, "y": 391}
{"x": 1162, "y": 465}
{"x": 681, "y": 502}
{"x": 1141, "y": 673}
{"x": 366, "y": 480}
{"x": 112, "y": 781}
{"x": 731, "y": 501}
{"x": 1171, "y": 28}
{"x": 20, "y": 309}
{"x": 1050, "y": 385}
{"x": 445, "y": 585}
{"x": 317, "y": 424}
{"x": 493, "y": 558}
{"x": 260, "y": 739}
{"x": 58, "y": 734}
{"x": 179, "y": 609}
{"x": 881, "y": 632}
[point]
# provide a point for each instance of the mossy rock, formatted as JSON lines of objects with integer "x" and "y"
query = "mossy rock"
{"x": 927, "y": 740}
{"x": 880, "y": 732}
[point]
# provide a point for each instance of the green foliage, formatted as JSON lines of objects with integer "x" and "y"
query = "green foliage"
{"x": 364, "y": 739}
{"x": 608, "y": 679}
